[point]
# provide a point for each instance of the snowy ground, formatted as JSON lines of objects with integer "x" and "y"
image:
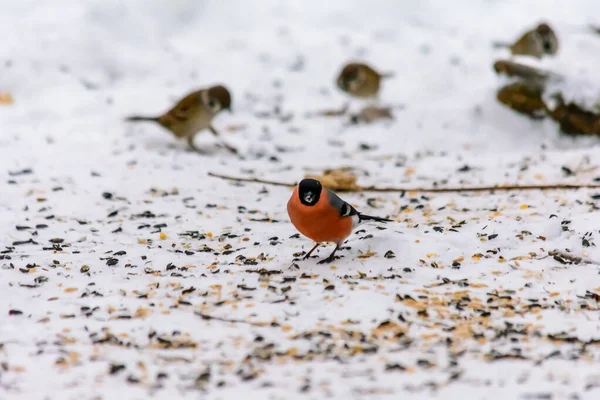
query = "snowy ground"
{"x": 135, "y": 261}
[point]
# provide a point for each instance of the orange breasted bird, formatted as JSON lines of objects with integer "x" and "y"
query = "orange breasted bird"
{"x": 322, "y": 216}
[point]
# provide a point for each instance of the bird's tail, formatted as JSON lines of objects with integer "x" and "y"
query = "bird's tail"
{"x": 500, "y": 45}
{"x": 363, "y": 217}
{"x": 386, "y": 75}
{"x": 135, "y": 118}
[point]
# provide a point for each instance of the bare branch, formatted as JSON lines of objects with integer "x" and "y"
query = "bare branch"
{"x": 494, "y": 188}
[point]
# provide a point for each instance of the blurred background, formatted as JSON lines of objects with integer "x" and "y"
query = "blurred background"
{"x": 71, "y": 70}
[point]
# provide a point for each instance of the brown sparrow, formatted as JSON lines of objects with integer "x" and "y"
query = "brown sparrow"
{"x": 194, "y": 113}
{"x": 360, "y": 80}
{"x": 536, "y": 42}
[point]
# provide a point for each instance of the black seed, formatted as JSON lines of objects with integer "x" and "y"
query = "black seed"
{"x": 162, "y": 375}
{"x": 15, "y": 312}
{"x": 21, "y": 172}
{"x": 188, "y": 290}
{"x": 116, "y": 368}
{"x": 21, "y": 242}
{"x": 395, "y": 367}
{"x": 112, "y": 261}
{"x": 567, "y": 171}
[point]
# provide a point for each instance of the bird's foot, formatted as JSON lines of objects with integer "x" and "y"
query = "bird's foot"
{"x": 293, "y": 265}
{"x": 328, "y": 260}
{"x": 195, "y": 149}
{"x": 228, "y": 147}
{"x": 232, "y": 149}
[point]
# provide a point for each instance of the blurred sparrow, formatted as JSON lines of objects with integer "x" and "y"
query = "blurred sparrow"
{"x": 536, "y": 43}
{"x": 194, "y": 113}
{"x": 360, "y": 80}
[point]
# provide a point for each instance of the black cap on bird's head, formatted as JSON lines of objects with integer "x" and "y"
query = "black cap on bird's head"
{"x": 219, "y": 98}
{"x": 548, "y": 38}
{"x": 309, "y": 191}
{"x": 543, "y": 28}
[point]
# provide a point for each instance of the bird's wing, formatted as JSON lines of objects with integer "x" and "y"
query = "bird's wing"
{"x": 185, "y": 107}
{"x": 345, "y": 209}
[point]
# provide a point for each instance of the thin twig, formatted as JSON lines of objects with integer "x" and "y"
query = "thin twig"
{"x": 230, "y": 320}
{"x": 251, "y": 180}
{"x": 431, "y": 190}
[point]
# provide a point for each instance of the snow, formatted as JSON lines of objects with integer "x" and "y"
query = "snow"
{"x": 508, "y": 322}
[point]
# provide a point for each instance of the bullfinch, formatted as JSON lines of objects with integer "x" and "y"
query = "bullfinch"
{"x": 322, "y": 216}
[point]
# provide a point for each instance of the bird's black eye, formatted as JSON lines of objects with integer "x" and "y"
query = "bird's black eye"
{"x": 309, "y": 197}
{"x": 214, "y": 104}
{"x": 547, "y": 46}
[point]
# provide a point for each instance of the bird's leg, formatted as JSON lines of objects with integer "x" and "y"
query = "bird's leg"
{"x": 190, "y": 142}
{"x": 310, "y": 252}
{"x": 331, "y": 256}
{"x": 376, "y": 101}
{"x": 228, "y": 146}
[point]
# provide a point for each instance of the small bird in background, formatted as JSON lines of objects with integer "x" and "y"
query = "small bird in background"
{"x": 360, "y": 80}
{"x": 540, "y": 41}
{"x": 194, "y": 113}
{"x": 322, "y": 216}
